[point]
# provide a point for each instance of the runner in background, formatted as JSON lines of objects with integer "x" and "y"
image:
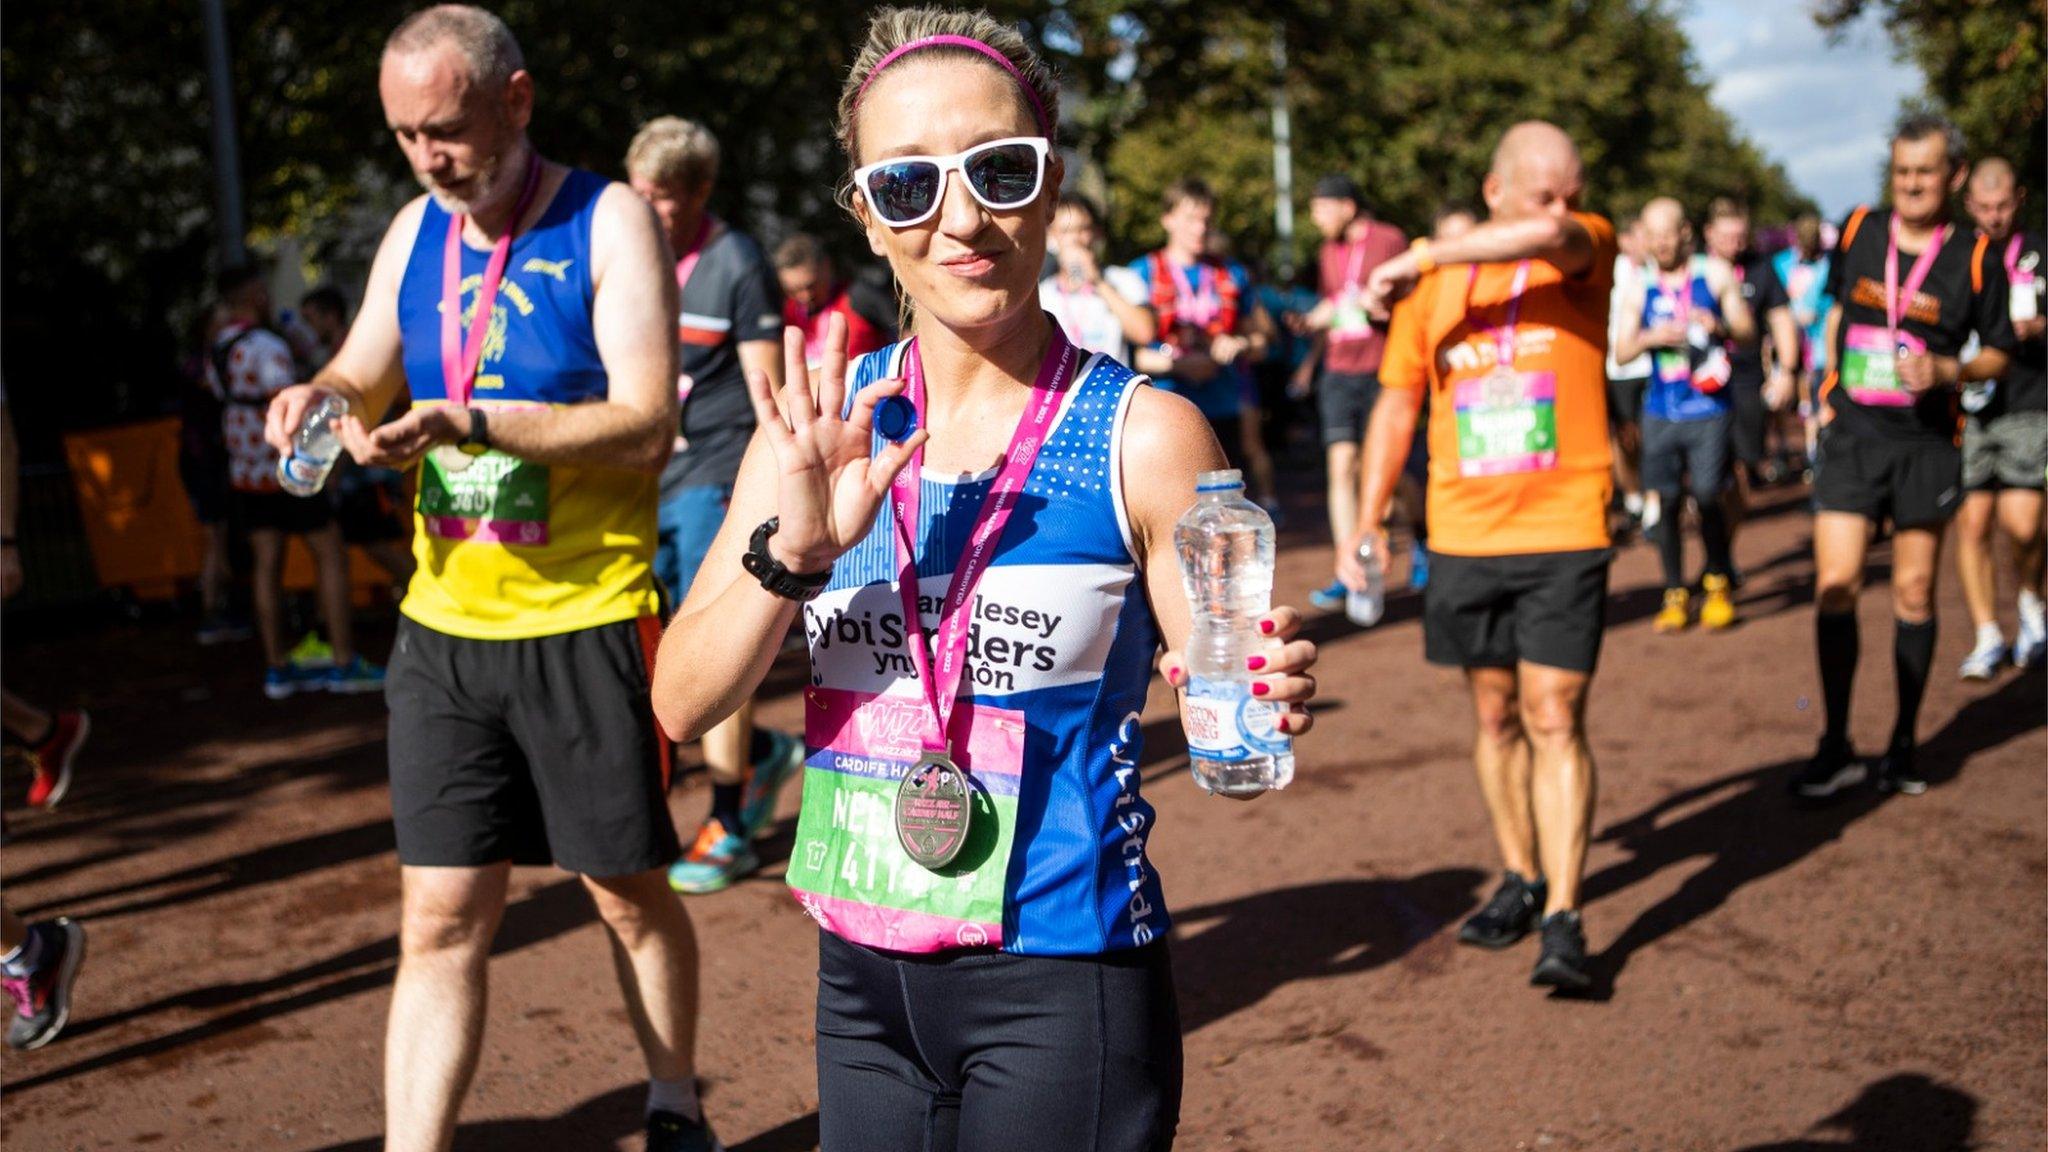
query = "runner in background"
{"x": 530, "y": 308}
{"x": 369, "y": 502}
{"x": 1774, "y": 334}
{"x": 1803, "y": 270}
{"x": 1684, "y": 314}
{"x": 1504, "y": 329}
{"x": 2005, "y": 438}
{"x": 729, "y": 323}
{"x": 1102, "y": 309}
{"x": 812, "y": 292}
{"x": 1207, "y": 330}
{"x": 1348, "y": 345}
{"x": 1627, "y": 381}
{"x": 1910, "y": 289}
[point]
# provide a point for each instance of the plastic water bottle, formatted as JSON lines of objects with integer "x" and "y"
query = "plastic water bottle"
{"x": 1366, "y": 605}
{"x": 1235, "y": 744}
{"x": 315, "y": 448}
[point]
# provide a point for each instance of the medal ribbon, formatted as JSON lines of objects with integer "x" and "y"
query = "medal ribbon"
{"x": 941, "y": 684}
{"x": 1503, "y": 336}
{"x": 2012, "y": 256}
{"x": 1357, "y": 259}
{"x": 460, "y": 358}
{"x": 1897, "y": 303}
{"x": 688, "y": 264}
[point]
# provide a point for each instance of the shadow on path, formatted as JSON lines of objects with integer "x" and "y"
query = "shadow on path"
{"x": 1754, "y": 829}
{"x": 599, "y": 1122}
{"x": 1904, "y": 1113}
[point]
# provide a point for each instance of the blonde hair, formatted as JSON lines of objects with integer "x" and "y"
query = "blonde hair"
{"x": 892, "y": 28}
{"x": 670, "y": 150}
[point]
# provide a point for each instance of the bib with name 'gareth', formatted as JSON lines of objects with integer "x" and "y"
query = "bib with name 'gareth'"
{"x": 509, "y": 549}
{"x": 1060, "y": 648}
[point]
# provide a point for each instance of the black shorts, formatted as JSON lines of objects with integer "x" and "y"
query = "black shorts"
{"x": 1625, "y": 400}
{"x": 1917, "y": 483}
{"x": 1546, "y": 608}
{"x": 281, "y": 512}
{"x": 1344, "y": 403}
{"x": 1752, "y": 421}
{"x": 533, "y": 751}
{"x": 1675, "y": 450}
{"x": 996, "y": 1052}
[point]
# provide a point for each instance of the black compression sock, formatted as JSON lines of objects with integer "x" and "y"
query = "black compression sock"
{"x": 1714, "y": 533}
{"x": 1671, "y": 538}
{"x": 725, "y": 805}
{"x": 1839, "y": 645}
{"x": 1912, "y": 657}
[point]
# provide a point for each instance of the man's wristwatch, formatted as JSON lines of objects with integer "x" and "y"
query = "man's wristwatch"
{"x": 773, "y": 576}
{"x": 478, "y": 441}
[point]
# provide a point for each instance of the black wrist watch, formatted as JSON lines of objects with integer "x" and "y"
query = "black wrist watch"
{"x": 773, "y": 575}
{"x": 478, "y": 441}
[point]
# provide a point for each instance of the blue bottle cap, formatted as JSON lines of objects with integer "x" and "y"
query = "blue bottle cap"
{"x": 895, "y": 418}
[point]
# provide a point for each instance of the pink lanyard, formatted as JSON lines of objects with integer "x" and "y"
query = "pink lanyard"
{"x": 1897, "y": 303}
{"x": 461, "y": 357}
{"x": 2012, "y": 258}
{"x": 1205, "y": 294}
{"x": 1357, "y": 260}
{"x": 1681, "y": 299}
{"x": 688, "y": 264}
{"x": 942, "y": 687}
{"x": 1503, "y": 336}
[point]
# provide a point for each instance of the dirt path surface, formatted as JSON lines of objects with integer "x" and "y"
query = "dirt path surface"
{"x": 1865, "y": 976}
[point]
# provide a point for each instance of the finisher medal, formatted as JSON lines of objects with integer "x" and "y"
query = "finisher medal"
{"x": 934, "y": 809}
{"x": 453, "y": 458}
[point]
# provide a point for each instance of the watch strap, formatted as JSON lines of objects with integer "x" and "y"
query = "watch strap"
{"x": 773, "y": 575}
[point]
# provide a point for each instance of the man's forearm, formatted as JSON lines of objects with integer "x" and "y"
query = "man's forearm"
{"x": 1988, "y": 364}
{"x": 1562, "y": 242}
{"x": 601, "y": 435}
{"x": 1389, "y": 436}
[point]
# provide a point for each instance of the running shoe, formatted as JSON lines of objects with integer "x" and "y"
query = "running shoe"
{"x": 311, "y": 652}
{"x": 714, "y": 861}
{"x": 1717, "y": 611}
{"x": 288, "y": 681}
{"x": 1653, "y": 512}
{"x": 1562, "y": 962}
{"x": 223, "y": 630}
{"x": 52, "y": 758}
{"x": 2031, "y": 643}
{"x": 1330, "y": 598}
{"x": 42, "y": 998}
{"x": 1987, "y": 658}
{"x": 673, "y": 1132}
{"x": 1516, "y": 907}
{"x": 765, "y": 778}
{"x": 356, "y": 676}
{"x": 1896, "y": 772}
{"x": 1676, "y": 613}
{"x": 1418, "y": 568}
{"x": 1834, "y": 766}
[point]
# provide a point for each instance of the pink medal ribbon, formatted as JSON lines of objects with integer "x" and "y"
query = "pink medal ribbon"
{"x": 685, "y": 268}
{"x": 1898, "y": 303}
{"x": 1504, "y": 336}
{"x": 2012, "y": 257}
{"x": 942, "y": 684}
{"x": 461, "y": 357}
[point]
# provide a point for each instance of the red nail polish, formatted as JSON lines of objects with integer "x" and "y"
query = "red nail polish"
{"x": 1266, "y": 626}
{"x": 1259, "y": 688}
{"x": 1255, "y": 662}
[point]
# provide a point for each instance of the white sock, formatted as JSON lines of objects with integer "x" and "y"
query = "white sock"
{"x": 1989, "y": 636}
{"x": 1633, "y": 501}
{"x": 677, "y": 1096}
{"x": 2031, "y": 608}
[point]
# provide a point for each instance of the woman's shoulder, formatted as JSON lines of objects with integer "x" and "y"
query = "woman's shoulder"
{"x": 869, "y": 367}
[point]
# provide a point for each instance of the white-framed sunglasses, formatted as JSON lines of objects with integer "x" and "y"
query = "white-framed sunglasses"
{"x": 1001, "y": 174}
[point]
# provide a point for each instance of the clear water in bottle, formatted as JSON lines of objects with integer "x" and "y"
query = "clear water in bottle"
{"x": 1235, "y": 744}
{"x": 315, "y": 448}
{"x": 1364, "y": 606}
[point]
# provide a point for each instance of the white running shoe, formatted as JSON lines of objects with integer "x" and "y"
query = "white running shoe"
{"x": 2030, "y": 645}
{"x": 1653, "y": 510}
{"x": 1984, "y": 660}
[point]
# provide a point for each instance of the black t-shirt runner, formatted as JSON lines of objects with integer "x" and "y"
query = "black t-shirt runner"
{"x": 1762, "y": 291}
{"x": 731, "y": 298}
{"x": 2025, "y": 385}
{"x": 1965, "y": 292}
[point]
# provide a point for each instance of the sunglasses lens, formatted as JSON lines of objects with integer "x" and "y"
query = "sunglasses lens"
{"x": 903, "y": 192}
{"x": 1005, "y": 176}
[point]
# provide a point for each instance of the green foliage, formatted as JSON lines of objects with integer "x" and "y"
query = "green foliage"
{"x": 1986, "y": 69}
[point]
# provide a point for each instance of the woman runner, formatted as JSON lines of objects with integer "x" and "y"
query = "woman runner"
{"x": 993, "y": 970}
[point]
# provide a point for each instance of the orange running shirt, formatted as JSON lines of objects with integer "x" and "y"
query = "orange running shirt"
{"x": 1518, "y": 463}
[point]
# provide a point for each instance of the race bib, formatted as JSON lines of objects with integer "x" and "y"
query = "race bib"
{"x": 1507, "y": 423}
{"x": 849, "y": 870}
{"x": 1673, "y": 365}
{"x": 1350, "y": 321}
{"x": 492, "y": 498}
{"x": 1870, "y": 366}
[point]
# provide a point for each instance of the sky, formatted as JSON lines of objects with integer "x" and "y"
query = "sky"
{"x": 1820, "y": 110}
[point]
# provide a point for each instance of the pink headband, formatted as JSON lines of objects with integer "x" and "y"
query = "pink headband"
{"x": 968, "y": 42}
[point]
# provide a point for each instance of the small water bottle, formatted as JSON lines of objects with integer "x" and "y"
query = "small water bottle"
{"x": 315, "y": 448}
{"x": 1366, "y": 605}
{"x": 1236, "y": 746}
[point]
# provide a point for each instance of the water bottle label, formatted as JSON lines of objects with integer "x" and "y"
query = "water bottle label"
{"x": 1226, "y": 722}
{"x": 300, "y": 470}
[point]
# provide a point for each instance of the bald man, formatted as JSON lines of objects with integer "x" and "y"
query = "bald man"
{"x": 1504, "y": 329}
{"x": 1910, "y": 288}
{"x": 1684, "y": 316}
{"x": 2005, "y": 439}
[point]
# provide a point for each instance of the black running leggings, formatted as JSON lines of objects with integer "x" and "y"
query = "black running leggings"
{"x": 989, "y": 1052}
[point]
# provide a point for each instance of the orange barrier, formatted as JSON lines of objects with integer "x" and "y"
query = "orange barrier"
{"x": 140, "y": 526}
